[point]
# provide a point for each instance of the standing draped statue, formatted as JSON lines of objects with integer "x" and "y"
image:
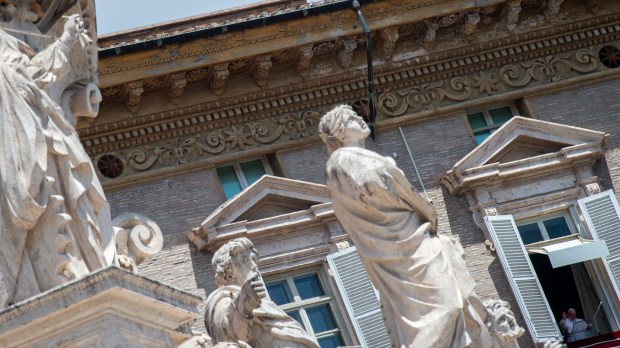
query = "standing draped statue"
{"x": 425, "y": 289}
{"x": 54, "y": 221}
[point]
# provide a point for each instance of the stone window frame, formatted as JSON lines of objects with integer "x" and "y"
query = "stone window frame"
{"x": 331, "y": 298}
{"x": 240, "y": 176}
{"x": 485, "y": 111}
{"x": 535, "y": 186}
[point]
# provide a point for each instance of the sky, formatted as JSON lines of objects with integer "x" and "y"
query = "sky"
{"x": 116, "y": 15}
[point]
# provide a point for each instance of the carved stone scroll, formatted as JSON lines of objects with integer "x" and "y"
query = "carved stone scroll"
{"x": 304, "y": 58}
{"x": 387, "y": 41}
{"x": 137, "y": 237}
{"x": 132, "y": 95}
{"x": 175, "y": 86}
{"x": 216, "y": 77}
{"x": 429, "y": 33}
{"x": 260, "y": 69}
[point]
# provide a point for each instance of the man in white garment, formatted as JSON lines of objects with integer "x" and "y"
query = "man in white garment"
{"x": 574, "y": 328}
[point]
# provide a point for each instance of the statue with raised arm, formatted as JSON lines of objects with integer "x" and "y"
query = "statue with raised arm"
{"x": 426, "y": 292}
{"x": 55, "y": 223}
{"x": 238, "y": 312}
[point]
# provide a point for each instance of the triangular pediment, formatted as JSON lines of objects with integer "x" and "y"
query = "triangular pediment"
{"x": 525, "y": 145}
{"x": 268, "y": 197}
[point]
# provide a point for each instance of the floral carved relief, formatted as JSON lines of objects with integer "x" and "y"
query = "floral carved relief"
{"x": 228, "y": 139}
{"x": 435, "y": 94}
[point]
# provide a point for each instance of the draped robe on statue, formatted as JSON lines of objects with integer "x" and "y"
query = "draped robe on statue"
{"x": 269, "y": 327}
{"x": 50, "y": 199}
{"x": 425, "y": 289}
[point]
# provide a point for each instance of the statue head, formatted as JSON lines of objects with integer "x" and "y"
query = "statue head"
{"x": 340, "y": 126}
{"x": 233, "y": 262}
{"x": 501, "y": 321}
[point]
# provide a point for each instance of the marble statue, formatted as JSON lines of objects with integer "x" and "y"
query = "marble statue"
{"x": 55, "y": 223}
{"x": 502, "y": 324}
{"x": 238, "y": 312}
{"x": 426, "y": 292}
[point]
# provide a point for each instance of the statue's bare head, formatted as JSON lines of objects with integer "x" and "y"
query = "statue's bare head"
{"x": 233, "y": 261}
{"x": 340, "y": 126}
{"x": 501, "y": 320}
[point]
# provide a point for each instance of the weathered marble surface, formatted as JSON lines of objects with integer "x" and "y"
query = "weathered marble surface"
{"x": 426, "y": 292}
{"x": 107, "y": 308}
{"x": 55, "y": 224}
{"x": 502, "y": 324}
{"x": 238, "y": 314}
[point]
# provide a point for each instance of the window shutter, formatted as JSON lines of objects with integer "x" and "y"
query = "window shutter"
{"x": 360, "y": 298}
{"x": 522, "y": 278}
{"x": 602, "y": 215}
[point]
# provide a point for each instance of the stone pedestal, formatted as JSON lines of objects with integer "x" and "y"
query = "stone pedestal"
{"x": 108, "y": 308}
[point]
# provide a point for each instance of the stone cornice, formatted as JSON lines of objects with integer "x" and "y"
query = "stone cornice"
{"x": 252, "y": 120}
{"x": 245, "y": 44}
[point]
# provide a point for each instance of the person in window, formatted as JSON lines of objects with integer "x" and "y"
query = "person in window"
{"x": 427, "y": 294}
{"x": 238, "y": 311}
{"x": 574, "y": 328}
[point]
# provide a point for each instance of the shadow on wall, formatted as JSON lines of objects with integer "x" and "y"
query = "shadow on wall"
{"x": 460, "y": 219}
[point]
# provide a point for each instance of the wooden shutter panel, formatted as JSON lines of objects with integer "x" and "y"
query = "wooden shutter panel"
{"x": 360, "y": 298}
{"x": 522, "y": 278}
{"x": 602, "y": 215}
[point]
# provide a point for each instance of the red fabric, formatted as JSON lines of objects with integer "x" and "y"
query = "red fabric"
{"x": 609, "y": 340}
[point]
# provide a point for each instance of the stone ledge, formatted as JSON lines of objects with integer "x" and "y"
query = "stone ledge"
{"x": 106, "y": 308}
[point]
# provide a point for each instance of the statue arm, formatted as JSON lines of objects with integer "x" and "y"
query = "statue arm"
{"x": 407, "y": 193}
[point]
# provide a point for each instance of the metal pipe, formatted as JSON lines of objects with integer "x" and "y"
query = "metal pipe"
{"x": 371, "y": 84}
{"x": 402, "y": 134}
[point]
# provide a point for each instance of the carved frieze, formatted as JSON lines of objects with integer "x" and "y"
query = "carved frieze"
{"x": 132, "y": 95}
{"x": 304, "y": 58}
{"x": 175, "y": 85}
{"x": 387, "y": 41}
{"x": 538, "y": 71}
{"x": 510, "y": 13}
{"x": 472, "y": 18}
{"x": 227, "y": 139}
{"x": 429, "y": 33}
{"x": 552, "y": 9}
{"x": 260, "y": 69}
{"x": 216, "y": 77}
{"x": 345, "y": 52}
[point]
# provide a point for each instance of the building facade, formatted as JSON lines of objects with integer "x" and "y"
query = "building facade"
{"x": 196, "y": 111}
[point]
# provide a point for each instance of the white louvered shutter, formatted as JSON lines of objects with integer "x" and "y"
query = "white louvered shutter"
{"x": 360, "y": 298}
{"x": 522, "y": 278}
{"x": 602, "y": 215}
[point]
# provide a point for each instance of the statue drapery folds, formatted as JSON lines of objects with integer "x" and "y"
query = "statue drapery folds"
{"x": 53, "y": 213}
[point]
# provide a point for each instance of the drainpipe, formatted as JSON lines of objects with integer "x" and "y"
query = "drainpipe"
{"x": 371, "y": 85}
{"x": 402, "y": 134}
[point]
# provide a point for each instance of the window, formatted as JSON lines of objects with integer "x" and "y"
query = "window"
{"x": 485, "y": 122}
{"x": 237, "y": 176}
{"x": 304, "y": 298}
{"x": 545, "y": 229}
